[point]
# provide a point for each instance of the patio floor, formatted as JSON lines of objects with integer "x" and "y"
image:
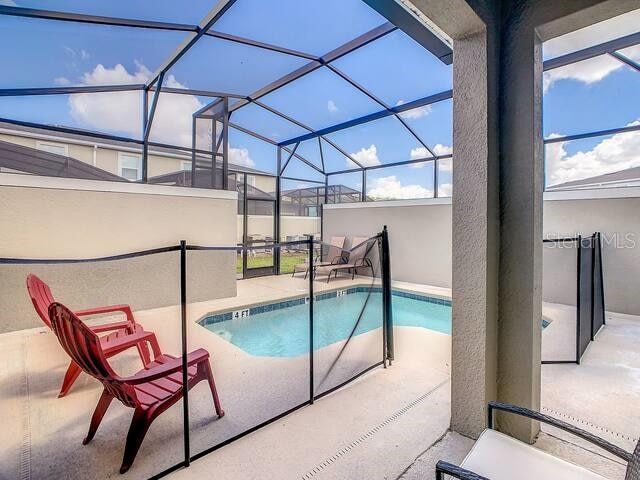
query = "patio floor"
{"x": 388, "y": 423}
{"x": 44, "y": 433}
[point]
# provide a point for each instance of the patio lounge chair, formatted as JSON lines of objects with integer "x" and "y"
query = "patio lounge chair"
{"x": 334, "y": 256}
{"x": 122, "y": 335}
{"x": 496, "y": 456}
{"x": 149, "y": 392}
{"x": 357, "y": 259}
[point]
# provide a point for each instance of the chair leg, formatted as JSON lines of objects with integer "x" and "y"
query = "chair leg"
{"x": 139, "y": 426}
{"x": 214, "y": 390}
{"x": 98, "y": 414}
{"x": 72, "y": 374}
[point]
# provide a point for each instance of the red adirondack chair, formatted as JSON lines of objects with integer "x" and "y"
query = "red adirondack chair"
{"x": 150, "y": 392}
{"x": 123, "y": 335}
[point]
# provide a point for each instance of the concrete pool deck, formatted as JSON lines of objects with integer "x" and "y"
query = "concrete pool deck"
{"x": 375, "y": 427}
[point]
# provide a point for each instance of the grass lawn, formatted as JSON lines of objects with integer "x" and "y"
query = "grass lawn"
{"x": 287, "y": 261}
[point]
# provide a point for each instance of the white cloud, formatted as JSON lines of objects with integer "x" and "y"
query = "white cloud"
{"x": 84, "y": 55}
{"x": 415, "y": 113}
{"x": 240, "y": 156}
{"x": 618, "y": 152}
{"x": 8, "y": 3}
{"x": 366, "y": 157}
{"x": 390, "y": 188}
{"x": 441, "y": 149}
{"x": 595, "y": 69}
{"x": 61, "y": 81}
{"x": 421, "y": 152}
{"x": 122, "y": 111}
{"x": 588, "y": 71}
{"x": 445, "y": 190}
{"x": 331, "y": 106}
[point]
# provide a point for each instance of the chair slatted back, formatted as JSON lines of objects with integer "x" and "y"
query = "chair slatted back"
{"x": 83, "y": 346}
{"x": 359, "y": 249}
{"x": 41, "y": 297}
{"x": 336, "y": 248}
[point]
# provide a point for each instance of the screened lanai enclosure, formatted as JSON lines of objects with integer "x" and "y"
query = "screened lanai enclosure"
{"x": 292, "y": 104}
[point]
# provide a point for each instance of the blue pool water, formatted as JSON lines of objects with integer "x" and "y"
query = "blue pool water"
{"x": 284, "y": 332}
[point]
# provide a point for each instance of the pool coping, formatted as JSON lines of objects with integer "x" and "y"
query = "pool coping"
{"x": 245, "y": 311}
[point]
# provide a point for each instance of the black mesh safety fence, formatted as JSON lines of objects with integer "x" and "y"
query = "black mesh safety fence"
{"x": 575, "y": 280}
{"x": 348, "y": 322}
{"x": 256, "y": 339}
{"x": 130, "y": 304}
{"x": 250, "y": 351}
{"x": 598, "y": 288}
{"x": 585, "y": 296}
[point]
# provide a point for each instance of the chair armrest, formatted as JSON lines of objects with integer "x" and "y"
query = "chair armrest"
{"x": 554, "y": 422}
{"x": 168, "y": 368}
{"x": 126, "y": 341}
{"x": 126, "y": 309}
{"x": 107, "y": 327}
{"x": 456, "y": 472}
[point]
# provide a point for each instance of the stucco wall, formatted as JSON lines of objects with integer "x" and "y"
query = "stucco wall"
{"x": 63, "y": 218}
{"x": 420, "y": 237}
{"x": 619, "y": 221}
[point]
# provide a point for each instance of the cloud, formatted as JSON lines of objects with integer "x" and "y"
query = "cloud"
{"x": 331, "y": 106}
{"x": 390, "y": 188}
{"x": 84, "y": 55}
{"x": 415, "y": 113}
{"x": 618, "y": 152}
{"x": 588, "y": 71}
{"x": 8, "y": 3}
{"x": 441, "y": 149}
{"x": 445, "y": 190}
{"x": 240, "y": 156}
{"x": 367, "y": 157}
{"x": 62, "y": 81}
{"x": 421, "y": 152}
{"x": 122, "y": 111}
{"x": 595, "y": 69}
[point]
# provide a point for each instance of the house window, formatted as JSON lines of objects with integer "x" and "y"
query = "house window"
{"x": 130, "y": 166}
{"x": 185, "y": 165}
{"x": 57, "y": 148}
{"x": 251, "y": 180}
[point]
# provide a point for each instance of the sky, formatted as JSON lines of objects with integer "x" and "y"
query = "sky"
{"x": 593, "y": 95}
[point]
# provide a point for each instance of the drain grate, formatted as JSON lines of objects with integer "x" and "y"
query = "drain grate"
{"x": 362, "y": 438}
{"x": 575, "y": 420}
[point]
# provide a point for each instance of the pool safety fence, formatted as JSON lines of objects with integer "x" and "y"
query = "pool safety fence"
{"x": 590, "y": 296}
{"x": 168, "y": 289}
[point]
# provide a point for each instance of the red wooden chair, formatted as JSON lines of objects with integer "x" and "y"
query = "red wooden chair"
{"x": 150, "y": 392}
{"x": 123, "y": 335}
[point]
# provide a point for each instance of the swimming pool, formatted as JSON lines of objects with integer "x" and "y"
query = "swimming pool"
{"x": 282, "y": 329}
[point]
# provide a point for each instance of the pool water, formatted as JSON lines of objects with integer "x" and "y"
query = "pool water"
{"x": 285, "y": 332}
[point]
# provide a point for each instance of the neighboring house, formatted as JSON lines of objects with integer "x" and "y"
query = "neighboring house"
{"x": 119, "y": 158}
{"x": 629, "y": 177}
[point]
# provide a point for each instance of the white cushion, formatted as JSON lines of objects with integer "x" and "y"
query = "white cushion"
{"x": 500, "y": 457}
